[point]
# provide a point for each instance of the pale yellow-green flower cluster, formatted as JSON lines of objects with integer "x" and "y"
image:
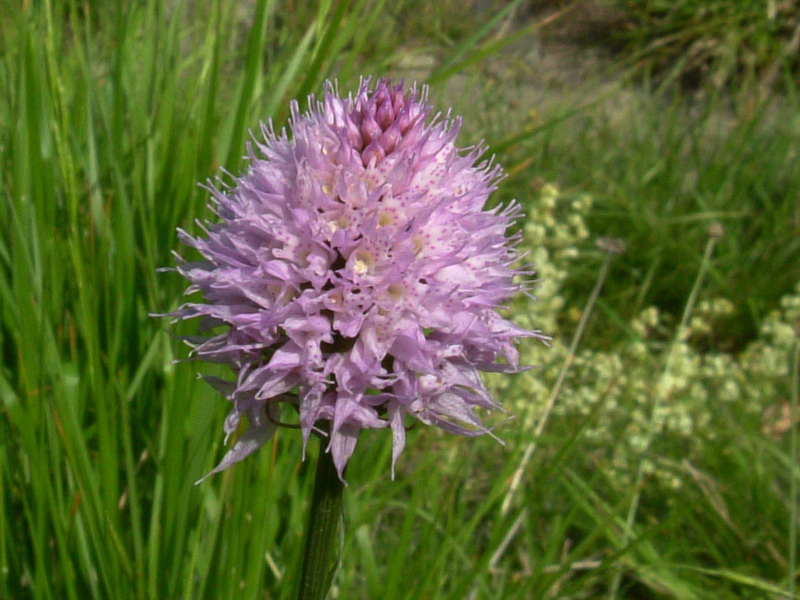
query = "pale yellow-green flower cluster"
{"x": 662, "y": 385}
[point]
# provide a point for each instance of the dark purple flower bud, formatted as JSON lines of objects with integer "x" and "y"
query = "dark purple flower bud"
{"x": 370, "y": 130}
{"x": 373, "y": 151}
{"x": 390, "y": 138}
{"x": 385, "y": 114}
{"x": 398, "y": 98}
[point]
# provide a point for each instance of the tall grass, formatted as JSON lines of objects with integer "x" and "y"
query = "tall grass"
{"x": 721, "y": 42}
{"x": 110, "y": 113}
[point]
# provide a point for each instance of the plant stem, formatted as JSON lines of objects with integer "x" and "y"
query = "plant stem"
{"x": 321, "y": 558}
{"x": 793, "y": 416}
{"x": 661, "y": 397}
{"x": 551, "y": 400}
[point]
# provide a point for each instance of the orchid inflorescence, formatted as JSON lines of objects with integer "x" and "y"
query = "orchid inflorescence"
{"x": 356, "y": 275}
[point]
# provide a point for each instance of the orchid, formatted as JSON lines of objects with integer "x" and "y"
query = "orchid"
{"x": 355, "y": 274}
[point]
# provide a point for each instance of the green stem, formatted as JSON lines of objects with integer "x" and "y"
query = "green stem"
{"x": 661, "y": 397}
{"x": 321, "y": 558}
{"x": 793, "y": 414}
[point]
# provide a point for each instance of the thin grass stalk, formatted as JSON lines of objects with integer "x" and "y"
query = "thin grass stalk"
{"x": 792, "y": 566}
{"x": 573, "y": 348}
{"x": 659, "y": 400}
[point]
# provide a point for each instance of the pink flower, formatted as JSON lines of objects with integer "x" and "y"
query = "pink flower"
{"x": 354, "y": 274}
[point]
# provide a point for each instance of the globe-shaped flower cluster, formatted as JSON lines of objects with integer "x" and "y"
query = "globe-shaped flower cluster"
{"x": 354, "y": 274}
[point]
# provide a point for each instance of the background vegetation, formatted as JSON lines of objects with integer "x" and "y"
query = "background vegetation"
{"x": 653, "y": 453}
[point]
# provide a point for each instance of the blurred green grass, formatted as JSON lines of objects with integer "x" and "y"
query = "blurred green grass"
{"x": 717, "y": 42}
{"x": 111, "y": 113}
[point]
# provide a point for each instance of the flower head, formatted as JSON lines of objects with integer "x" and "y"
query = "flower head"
{"x": 354, "y": 274}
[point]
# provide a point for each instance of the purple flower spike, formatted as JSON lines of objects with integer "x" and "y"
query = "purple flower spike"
{"x": 355, "y": 275}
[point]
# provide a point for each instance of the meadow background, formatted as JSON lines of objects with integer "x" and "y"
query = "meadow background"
{"x": 653, "y": 453}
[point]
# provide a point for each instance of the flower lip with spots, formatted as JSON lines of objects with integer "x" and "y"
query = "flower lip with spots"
{"x": 355, "y": 274}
